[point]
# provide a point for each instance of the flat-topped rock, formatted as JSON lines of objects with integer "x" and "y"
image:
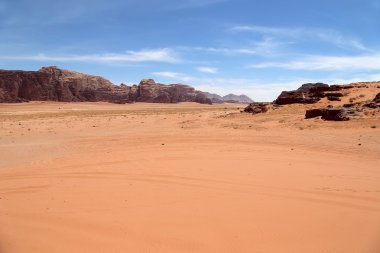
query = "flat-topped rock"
{"x": 308, "y": 93}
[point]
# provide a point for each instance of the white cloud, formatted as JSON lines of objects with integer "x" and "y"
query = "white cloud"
{"x": 209, "y": 70}
{"x": 149, "y": 55}
{"x": 302, "y": 33}
{"x": 173, "y": 75}
{"x": 327, "y": 63}
{"x": 266, "y": 46}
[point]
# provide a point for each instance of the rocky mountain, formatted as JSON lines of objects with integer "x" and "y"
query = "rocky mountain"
{"x": 214, "y": 97}
{"x": 54, "y": 84}
{"x": 230, "y": 98}
{"x": 244, "y": 99}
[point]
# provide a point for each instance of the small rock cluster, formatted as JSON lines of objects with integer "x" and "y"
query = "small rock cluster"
{"x": 344, "y": 113}
{"x": 257, "y": 107}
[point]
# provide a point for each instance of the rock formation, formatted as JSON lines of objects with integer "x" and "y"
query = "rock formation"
{"x": 307, "y": 94}
{"x": 54, "y": 84}
{"x": 335, "y": 114}
{"x": 256, "y": 108}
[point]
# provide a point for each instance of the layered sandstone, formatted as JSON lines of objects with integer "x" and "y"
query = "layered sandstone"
{"x": 54, "y": 84}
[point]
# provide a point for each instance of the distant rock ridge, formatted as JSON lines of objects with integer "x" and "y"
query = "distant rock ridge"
{"x": 54, "y": 84}
{"x": 230, "y": 98}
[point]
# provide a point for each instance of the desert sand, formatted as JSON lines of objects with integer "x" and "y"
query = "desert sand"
{"x": 99, "y": 177}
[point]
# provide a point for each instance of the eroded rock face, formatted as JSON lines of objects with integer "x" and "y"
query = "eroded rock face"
{"x": 307, "y": 94}
{"x": 54, "y": 84}
{"x": 341, "y": 87}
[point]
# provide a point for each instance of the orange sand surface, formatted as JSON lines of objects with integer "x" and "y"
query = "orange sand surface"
{"x": 98, "y": 177}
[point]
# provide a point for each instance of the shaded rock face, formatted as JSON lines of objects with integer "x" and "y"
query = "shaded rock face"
{"x": 54, "y": 84}
{"x": 334, "y": 96}
{"x": 372, "y": 105}
{"x": 334, "y": 114}
{"x": 340, "y": 87}
{"x": 307, "y": 94}
{"x": 377, "y": 98}
{"x": 256, "y": 108}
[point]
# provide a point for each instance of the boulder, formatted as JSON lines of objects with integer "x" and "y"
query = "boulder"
{"x": 313, "y": 113}
{"x": 334, "y": 96}
{"x": 256, "y": 108}
{"x": 334, "y": 114}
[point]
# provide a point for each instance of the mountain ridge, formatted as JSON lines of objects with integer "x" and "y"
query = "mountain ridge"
{"x": 55, "y": 84}
{"x": 229, "y": 98}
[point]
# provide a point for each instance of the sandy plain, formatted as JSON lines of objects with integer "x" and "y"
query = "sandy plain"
{"x": 98, "y": 177}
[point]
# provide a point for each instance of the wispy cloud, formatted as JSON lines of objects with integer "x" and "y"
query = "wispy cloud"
{"x": 303, "y": 33}
{"x": 327, "y": 63}
{"x": 266, "y": 46}
{"x": 174, "y": 76}
{"x": 150, "y": 55}
{"x": 209, "y": 70}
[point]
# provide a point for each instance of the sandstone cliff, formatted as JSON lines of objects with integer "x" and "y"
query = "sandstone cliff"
{"x": 54, "y": 84}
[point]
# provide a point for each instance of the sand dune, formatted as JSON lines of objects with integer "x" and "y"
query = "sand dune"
{"x": 97, "y": 177}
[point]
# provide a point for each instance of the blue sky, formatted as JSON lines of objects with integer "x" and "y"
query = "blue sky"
{"x": 254, "y": 47}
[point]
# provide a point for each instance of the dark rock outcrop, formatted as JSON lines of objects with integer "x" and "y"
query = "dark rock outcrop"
{"x": 307, "y": 94}
{"x": 334, "y": 114}
{"x": 334, "y": 96}
{"x": 54, "y": 84}
{"x": 341, "y": 87}
{"x": 377, "y": 98}
{"x": 372, "y": 105}
{"x": 256, "y": 108}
